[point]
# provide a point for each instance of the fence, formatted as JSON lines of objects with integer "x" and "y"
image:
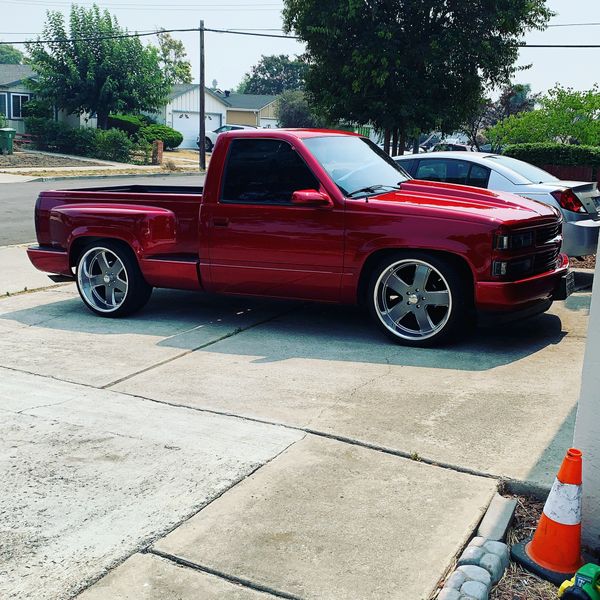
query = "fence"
{"x": 572, "y": 173}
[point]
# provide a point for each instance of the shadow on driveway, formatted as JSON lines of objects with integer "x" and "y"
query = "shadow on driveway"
{"x": 294, "y": 330}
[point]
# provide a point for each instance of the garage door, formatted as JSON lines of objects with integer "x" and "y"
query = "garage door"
{"x": 187, "y": 123}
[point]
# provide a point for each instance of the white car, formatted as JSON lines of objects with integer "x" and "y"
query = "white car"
{"x": 211, "y": 136}
{"x": 579, "y": 202}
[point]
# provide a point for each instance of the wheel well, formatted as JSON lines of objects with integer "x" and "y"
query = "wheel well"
{"x": 374, "y": 259}
{"x": 80, "y": 243}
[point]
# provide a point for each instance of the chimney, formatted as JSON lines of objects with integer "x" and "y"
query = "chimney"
{"x": 227, "y": 92}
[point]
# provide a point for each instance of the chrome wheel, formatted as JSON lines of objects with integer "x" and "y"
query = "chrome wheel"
{"x": 412, "y": 299}
{"x": 103, "y": 280}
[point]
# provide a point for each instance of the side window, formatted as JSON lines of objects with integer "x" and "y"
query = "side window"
{"x": 478, "y": 176}
{"x": 408, "y": 165}
{"x": 432, "y": 169}
{"x": 261, "y": 171}
{"x": 458, "y": 172}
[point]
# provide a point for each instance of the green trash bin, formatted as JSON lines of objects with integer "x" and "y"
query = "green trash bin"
{"x": 7, "y": 135}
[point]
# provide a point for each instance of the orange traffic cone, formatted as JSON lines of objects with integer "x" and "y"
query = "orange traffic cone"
{"x": 554, "y": 553}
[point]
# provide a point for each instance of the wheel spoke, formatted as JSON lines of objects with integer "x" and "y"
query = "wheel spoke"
{"x": 441, "y": 298}
{"x": 397, "y": 284}
{"x": 398, "y": 312}
{"x": 96, "y": 280}
{"x": 423, "y": 320}
{"x": 421, "y": 276}
{"x": 121, "y": 286}
{"x": 103, "y": 262}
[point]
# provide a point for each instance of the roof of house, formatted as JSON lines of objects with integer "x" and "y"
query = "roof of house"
{"x": 240, "y": 101}
{"x": 249, "y": 101}
{"x": 182, "y": 88}
{"x": 10, "y": 74}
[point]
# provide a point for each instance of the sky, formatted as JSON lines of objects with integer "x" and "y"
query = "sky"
{"x": 228, "y": 57}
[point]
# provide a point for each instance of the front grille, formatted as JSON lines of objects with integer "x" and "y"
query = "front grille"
{"x": 545, "y": 261}
{"x": 547, "y": 233}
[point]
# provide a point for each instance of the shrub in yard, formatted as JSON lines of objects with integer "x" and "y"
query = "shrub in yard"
{"x": 555, "y": 154}
{"x": 169, "y": 136}
{"x": 130, "y": 124}
{"x": 46, "y": 132}
{"x": 112, "y": 144}
{"x": 141, "y": 151}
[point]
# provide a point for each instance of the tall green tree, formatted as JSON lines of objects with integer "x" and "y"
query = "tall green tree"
{"x": 9, "y": 55}
{"x": 565, "y": 115}
{"x": 514, "y": 98}
{"x": 408, "y": 64}
{"x": 292, "y": 110}
{"x": 97, "y": 72}
{"x": 273, "y": 75}
{"x": 174, "y": 65}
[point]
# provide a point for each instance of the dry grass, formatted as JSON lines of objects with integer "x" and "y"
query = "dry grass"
{"x": 517, "y": 583}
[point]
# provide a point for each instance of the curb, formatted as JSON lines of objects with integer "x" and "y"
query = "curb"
{"x": 119, "y": 176}
{"x": 485, "y": 559}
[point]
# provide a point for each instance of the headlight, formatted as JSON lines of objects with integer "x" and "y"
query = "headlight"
{"x": 514, "y": 241}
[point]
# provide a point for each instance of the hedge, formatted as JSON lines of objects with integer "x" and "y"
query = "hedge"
{"x": 555, "y": 154}
{"x": 169, "y": 136}
{"x": 131, "y": 124}
{"x": 112, "y": 144}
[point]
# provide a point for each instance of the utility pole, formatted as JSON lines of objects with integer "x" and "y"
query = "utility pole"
{"x": 586, "y": 425}
{"x": 202, "y": 133}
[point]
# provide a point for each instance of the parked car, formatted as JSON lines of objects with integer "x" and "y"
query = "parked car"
{"x": 211, "y": 136}
{"x": 311, "y": 215}
{"x": 451, "y": 147}
{"x": 579, "y": 202}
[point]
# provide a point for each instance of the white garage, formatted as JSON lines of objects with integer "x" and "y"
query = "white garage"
{"x": 182, "y": 112}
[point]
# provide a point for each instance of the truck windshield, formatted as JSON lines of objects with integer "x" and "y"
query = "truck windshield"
{"x": 356, "y": 165}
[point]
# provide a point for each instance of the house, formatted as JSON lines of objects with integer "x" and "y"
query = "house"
{"x": 14, "y": 93}
{"x": 250, "y": 109}
{"x": 182, "y": 111}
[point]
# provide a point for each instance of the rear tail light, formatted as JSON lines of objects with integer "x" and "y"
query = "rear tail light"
{"x": 569, "y": 201}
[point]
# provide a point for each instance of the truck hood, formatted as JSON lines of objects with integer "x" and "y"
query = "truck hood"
{"x": 466, "y": 202}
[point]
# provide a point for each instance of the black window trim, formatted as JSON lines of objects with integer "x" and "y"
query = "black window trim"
{"x": 249, "y": 202}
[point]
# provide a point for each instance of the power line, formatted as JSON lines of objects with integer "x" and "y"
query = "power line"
{"x": 238, "y": 32}
{"x": 573, "y": 25}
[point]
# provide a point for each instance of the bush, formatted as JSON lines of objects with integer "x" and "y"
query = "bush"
{"x": 169, "y": 136}
{"x": 112, "y": 144}
{"x": 555, "y": 154}
{"x": 130, "y": 124}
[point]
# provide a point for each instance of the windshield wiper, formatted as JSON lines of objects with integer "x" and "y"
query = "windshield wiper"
{"x": 372, "y": 189}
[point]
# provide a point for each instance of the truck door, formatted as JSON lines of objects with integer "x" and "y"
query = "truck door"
{"x": 259, "y": 241}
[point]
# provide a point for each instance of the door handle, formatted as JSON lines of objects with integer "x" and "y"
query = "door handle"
{"x": 220, "y": 221}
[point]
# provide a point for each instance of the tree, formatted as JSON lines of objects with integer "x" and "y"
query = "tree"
{"x": 408, "y": 64}
{"x": 514, "y": 98}
{"x": 172, "y": 56}
{"x": 97, "y": 72}
{"x": 565, "y": 116}
{"x": 9, "y": 55}
{"x": 273, "y": 75}
{"x": 292, "y": 110}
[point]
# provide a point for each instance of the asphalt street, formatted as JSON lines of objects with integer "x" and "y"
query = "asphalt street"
{"x": 18, "y": 200}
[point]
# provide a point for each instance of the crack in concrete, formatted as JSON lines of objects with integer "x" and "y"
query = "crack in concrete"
{"x": 247, "y": 583}
{"x": 196, "y": 348}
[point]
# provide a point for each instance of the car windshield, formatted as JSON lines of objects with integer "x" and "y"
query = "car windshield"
{"x": 356, "y": 165}
{"x": 529, "y": 172}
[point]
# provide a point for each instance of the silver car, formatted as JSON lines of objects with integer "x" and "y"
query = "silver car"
{"x": 579, "y": 202}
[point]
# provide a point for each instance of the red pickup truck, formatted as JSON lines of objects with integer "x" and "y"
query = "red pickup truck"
{"x": 313, "y": 215}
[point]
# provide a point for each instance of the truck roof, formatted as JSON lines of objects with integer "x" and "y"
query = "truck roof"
{"x": 284, "y": 133}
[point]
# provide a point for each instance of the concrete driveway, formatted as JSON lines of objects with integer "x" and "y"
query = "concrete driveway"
{"x": 315, "y": 458}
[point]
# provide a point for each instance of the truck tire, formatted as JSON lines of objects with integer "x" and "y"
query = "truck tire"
{"x": 419, "y": 299}
{"x": 208, "y": 145}
{"x": 109, "y": 279}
